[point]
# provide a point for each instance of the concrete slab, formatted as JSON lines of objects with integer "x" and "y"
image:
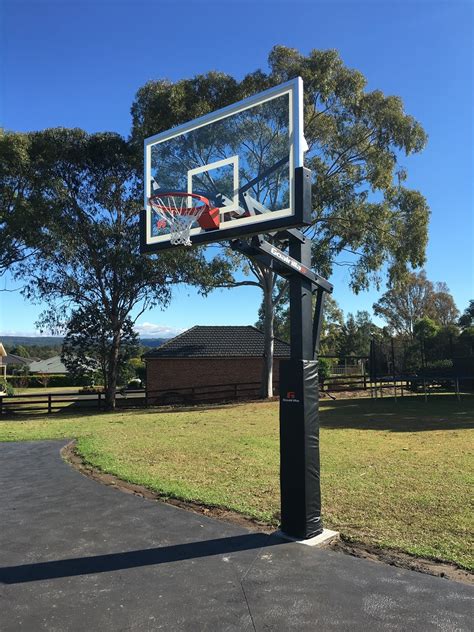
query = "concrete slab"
{"x": 318, "y": 540}
{"x": 79, "y": 556}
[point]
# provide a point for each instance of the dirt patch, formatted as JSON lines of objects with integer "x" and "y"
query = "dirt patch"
{"x": 387, "y": 556}
{"x": 437, "y": 568}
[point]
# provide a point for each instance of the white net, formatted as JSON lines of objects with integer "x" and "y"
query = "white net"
{"x": 179, "y": 212}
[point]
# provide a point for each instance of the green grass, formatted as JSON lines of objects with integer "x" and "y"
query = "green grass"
{"x": 44, "y": 390}
{"x": 393, "y": 474}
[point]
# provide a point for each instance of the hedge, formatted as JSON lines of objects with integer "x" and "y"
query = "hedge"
{"x": 55, "y": 379}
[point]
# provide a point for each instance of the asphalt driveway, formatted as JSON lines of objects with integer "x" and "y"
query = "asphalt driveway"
{"x": 77, "y": 555}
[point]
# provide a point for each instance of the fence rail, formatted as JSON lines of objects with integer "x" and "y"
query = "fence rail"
{"x": 354, "y": 382}
{"x": 51, "y": 402}
{"x": 345, "y": 370}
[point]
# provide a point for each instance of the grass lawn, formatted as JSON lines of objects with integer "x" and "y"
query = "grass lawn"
{"x": 44, "y": 390}
{"x": 393, "y": 474}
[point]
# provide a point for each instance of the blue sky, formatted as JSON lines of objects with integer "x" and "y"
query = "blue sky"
{"x": 79, "y": 64}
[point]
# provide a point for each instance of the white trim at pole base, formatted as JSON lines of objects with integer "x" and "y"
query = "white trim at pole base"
{"x": 318, "y": 540}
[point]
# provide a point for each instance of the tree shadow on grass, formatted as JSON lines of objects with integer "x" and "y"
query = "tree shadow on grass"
{"x": 93, "y": 565}
{"x": 408, "y": 414}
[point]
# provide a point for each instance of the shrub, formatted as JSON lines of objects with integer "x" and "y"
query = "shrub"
{"x": 324, "y": 369}
{"x": 6, "y": 387}
{"x": 440, "y": 364}
{"x": 91, "y": 390}
{"x": 438, "y": 368}
{"x": 30, "y": 381}
{"x": 135, "y": 383}
{"x": 138, "y": 366}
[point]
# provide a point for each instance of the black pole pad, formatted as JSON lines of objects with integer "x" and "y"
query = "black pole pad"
{"x": 299, "y": 449}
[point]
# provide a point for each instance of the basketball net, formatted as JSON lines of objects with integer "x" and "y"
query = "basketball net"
{"x": 179, "y": 211}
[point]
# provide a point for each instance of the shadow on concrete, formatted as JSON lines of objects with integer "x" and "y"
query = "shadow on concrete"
{"x": 133, "y": 559}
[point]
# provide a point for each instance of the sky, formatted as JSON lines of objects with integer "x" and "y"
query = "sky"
{"x": 80, "y": 63}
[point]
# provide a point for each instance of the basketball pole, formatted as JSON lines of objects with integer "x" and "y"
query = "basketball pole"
{"x": 299, "y": 416}
{"x": 300, "y": 489}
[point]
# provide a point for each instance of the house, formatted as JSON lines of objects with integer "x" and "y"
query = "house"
{"x": 51, "y": 365}
{"x": 204, "y": 357}
{"x": 15, "y": 363}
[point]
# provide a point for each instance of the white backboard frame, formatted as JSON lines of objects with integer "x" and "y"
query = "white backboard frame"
{"x": 242, "y": 226}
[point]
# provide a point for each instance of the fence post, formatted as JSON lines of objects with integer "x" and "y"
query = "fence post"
{"x": 146, "y": 398}
{"x": 49, "y": 404}
{"x": 458, "y": 395}
{"x": 99, "y": 400}
{"x": 1, "y": 404}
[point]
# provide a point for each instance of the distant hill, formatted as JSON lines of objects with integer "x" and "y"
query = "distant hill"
{"x": 56, "y": 341}
{"x": 28, "y": 341}
{"x": 153, "y": 342}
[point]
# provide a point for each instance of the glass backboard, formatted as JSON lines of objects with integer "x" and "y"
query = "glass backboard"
{"x": 242, "y": 158}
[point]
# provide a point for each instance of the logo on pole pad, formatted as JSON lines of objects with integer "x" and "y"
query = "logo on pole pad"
{"x": 291, "y": 398}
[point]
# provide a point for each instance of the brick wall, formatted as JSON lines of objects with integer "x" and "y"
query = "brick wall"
{"x": 170, "y": 373}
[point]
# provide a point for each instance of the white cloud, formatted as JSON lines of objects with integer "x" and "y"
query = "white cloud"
{"x": 151, "y": 330}
{"x": 145, "y": 330}
{"x": 26, "y": 334}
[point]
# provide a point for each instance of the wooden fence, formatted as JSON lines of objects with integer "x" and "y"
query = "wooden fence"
{"x": 357, "y": 382}
{"x": 52, "y": 402}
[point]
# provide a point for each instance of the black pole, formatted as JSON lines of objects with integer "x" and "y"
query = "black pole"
{"x": 318, "y": 321}
{"x": 299, "y": 419}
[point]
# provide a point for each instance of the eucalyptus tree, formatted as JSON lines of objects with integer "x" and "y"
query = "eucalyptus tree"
{"x": 413, "y": 298}
{"x": 91, "y": 196}
{"x": 467, "y": 317}
{"x": 363, "y": 215}
{"x": 20, "y": 219}
{"x": 87, "y": 345}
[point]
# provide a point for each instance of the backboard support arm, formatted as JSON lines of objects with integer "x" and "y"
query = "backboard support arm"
{"x": 279, "y": 261}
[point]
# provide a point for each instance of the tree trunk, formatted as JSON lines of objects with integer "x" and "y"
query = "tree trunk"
{"x": 112, "y": 372}
{"x": 268, "y": 323}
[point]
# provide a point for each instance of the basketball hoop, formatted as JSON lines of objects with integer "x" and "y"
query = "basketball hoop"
{"x": 179, "y": 210}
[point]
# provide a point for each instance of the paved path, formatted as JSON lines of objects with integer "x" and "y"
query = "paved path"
{"x": 76, "y": 555}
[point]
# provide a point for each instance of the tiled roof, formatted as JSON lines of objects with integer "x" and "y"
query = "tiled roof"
{"x": 215, "y": 341}
{"x": 51, "y": 365}
{"x": 11, "y": 358}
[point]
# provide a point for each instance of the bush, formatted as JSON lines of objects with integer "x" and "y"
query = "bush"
{"x": 440, "y": 364}
{"x": 138, "y": 366}
{"x": 324, "y": 369}
{"x": 91, "y": 390}
{"x": 45, "y": 381}
{"x": 135, "y": 383}
{"x": 6, "y": 387}
{"x": 438, "y": 368}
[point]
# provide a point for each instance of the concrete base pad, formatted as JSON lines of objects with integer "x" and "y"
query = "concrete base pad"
{"x": 318, "y": 540}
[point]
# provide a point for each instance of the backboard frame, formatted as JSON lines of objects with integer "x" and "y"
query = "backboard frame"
{"x": 299, "y": 214}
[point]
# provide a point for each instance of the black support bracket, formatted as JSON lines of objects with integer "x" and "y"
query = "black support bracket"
{"x": 279, "y": 261}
